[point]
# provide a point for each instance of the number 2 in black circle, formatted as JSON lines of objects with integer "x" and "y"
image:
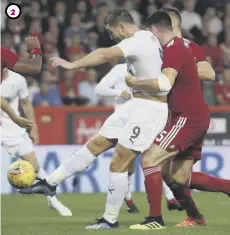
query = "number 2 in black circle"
{"x": 136, "y": 133}
{"x": 13, "y": 12}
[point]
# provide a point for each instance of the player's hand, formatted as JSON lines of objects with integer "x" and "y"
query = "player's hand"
{"x": 32, "y": 43}
{"x": 23, "y": 122}
{"x": 62, "y": 63}
{"x": 33, "y": 133}
{"x": 125, "y": 94}
{"x": 130, "y": 80}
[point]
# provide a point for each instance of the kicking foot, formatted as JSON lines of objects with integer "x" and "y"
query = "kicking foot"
{"x": 131, "y": 207}
{"x": 149, "y": 223}
{"x": 192, "y": 222}
{"x": 102, "y": 224}
{"x": 41, "y": 187}
{"x": 173, "y": 204}
{"x": 58, "y": 206}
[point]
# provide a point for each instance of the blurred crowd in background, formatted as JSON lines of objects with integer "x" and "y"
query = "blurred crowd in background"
{"x": 70, "y": 29}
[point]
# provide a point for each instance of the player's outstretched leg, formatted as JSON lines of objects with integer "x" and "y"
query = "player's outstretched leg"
{"x": 205, "y": 182}
{"x": 179, "y": 174}
{"x": 78, "y": 162}
{"x": 25, "y": 152}
{"x": 172, "y": 203}
{"x": 131, "y": 206}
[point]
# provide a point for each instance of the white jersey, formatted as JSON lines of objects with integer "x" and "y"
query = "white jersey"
{"x": 13, "y": 88}
{"x": 113, "y": 83}
{"x": 143, "y": 55}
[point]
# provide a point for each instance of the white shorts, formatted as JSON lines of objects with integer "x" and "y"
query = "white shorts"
{"x": 23, "y": 146}
{"x": 136, "y": 123}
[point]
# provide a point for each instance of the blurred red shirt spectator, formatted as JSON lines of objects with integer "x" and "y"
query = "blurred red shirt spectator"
{"x": 74, "y": 50}
{"x": 36, "y": 30}
{"x": 213, "y": 50}
{"x": 223, "y": 88}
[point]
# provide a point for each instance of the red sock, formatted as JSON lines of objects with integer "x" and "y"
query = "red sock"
{"x": 153, "y": 187}
{"x": 205, "y": 182}
{"x": 183, "y": 195}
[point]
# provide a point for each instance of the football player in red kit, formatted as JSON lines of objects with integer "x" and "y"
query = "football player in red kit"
{"x": 188, "y": 125}
{"x": 21, "y": 65}
{"x": 198, "y": 180}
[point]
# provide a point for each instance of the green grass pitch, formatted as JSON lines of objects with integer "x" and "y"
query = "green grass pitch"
{"x": 29, "y": 215}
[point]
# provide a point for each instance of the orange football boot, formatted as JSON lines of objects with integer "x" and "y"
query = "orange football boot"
{"x": 192, "y": 222}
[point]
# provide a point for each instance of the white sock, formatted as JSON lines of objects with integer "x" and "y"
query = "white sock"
{"x": 41, "y": 174}
{"x": 52, "y": 199}
{"x": 118, "y": 186}
{"x": 128, "y": 195}
{"x": 78, "y": 162}
{"x": 167, "y": 192}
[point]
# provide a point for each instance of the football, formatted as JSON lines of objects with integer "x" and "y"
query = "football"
{"x": 21, "y": 174}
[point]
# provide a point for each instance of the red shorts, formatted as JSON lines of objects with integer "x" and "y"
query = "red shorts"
{"x": 192, "y": 152}
{"x": 184, "y": 134}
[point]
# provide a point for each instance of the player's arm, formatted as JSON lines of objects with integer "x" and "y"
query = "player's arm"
{"x": 22, "y": 64}
{"x": 13, "y": 116}
{"x": 205, "y": 71}
{"x": 5, "y": 106}
{"x": 104, "y": 87}
{"x": 29, "y": 114}
{"x": 164, "y": 82}
{"x": 28, "y": 109}
{"x": 26, "y": 65}
{"x": 125, "y": 48}
{"x": 97, "y": 57}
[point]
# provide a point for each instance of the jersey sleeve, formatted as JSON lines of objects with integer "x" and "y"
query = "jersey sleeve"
{"x": 9, "y": 58}
{"x": 197, "y": 52}
{"x": 128, "y": 46}
{"x": 23, "y": 92}
{"x": 172, "y": 58}
{"x": 104, "y": 87}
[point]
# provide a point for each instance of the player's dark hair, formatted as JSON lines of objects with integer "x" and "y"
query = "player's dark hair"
{"x": 118, "y": 16}
{"x": 160, "y": 19}
{"x": 174, "y": 12}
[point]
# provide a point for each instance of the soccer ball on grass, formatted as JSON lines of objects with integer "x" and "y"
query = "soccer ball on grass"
{"x": 21, "y": 174}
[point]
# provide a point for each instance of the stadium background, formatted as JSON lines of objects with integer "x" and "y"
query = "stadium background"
{"x": 67, "y": 110}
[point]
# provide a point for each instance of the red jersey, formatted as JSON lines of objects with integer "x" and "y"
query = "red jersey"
{"x": 186, "y": 95}
{"x": 8, "y": 58}
{"x": 196, "y": 50}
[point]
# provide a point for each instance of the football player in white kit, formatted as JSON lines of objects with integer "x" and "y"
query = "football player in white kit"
{"x": 15, "y": 139}
{"x": 113, "y": 85}
{"x": 131, "y": 128}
